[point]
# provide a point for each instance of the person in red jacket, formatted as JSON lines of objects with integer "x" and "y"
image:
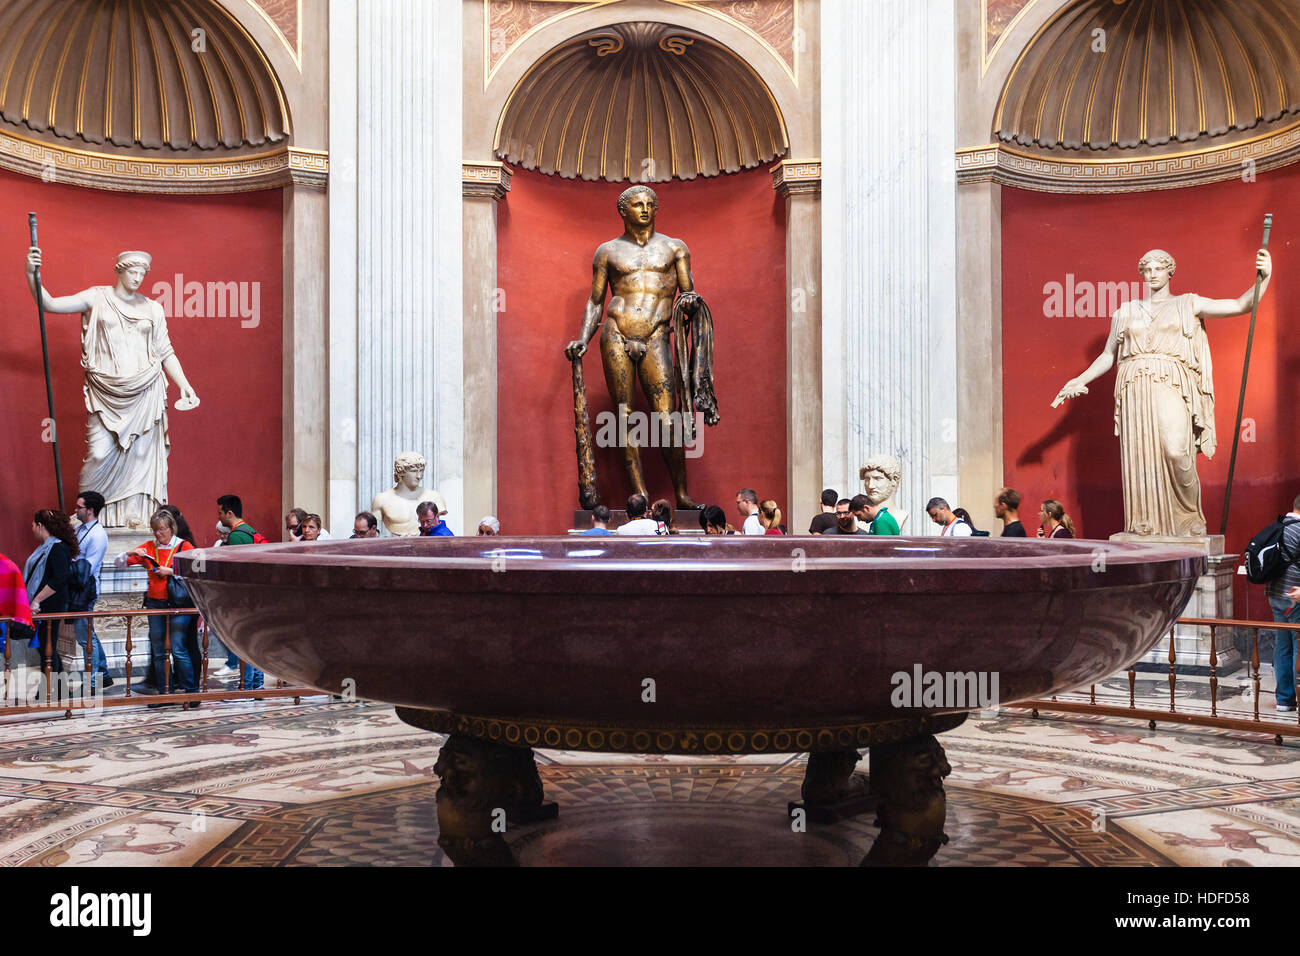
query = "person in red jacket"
{"x": 157, "y": 556}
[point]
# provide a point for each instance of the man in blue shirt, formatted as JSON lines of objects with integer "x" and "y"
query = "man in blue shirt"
{"x": 93, "y": 542}
{"x": 599, "y": 521}
{"x": 431, "y": 523}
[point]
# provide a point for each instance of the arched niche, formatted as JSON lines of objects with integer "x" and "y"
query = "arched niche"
{"x": 795, "y": 176}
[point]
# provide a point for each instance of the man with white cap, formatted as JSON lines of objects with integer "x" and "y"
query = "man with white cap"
{"x": 128, "y": 358}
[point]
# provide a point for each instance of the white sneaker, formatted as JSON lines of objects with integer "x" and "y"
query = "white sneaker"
{"x": 1284, "y": 709}
{"x": 224, "y": 672}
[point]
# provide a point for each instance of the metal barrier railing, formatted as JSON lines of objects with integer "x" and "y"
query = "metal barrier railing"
{"x": 64, "y": 692}
{"x": 1280, "y": 727}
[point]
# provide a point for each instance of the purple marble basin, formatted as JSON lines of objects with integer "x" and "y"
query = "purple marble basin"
{"x": 733, "y": 631}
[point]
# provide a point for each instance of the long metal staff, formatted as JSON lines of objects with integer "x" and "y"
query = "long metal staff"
{"x": 1245, "y": 371}
{"x": 45, "y": 354}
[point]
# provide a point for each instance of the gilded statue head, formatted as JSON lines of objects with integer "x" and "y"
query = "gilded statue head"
{"x": 408, "y": 469}
{"x": 880, "y": 476}
{"x": 633, "y": 207}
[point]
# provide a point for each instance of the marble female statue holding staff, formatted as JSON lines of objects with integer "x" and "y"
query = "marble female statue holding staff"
{"x": 1164, "y": 395}
{"x": 127, "y": 356}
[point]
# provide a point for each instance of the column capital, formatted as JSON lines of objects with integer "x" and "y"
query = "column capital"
{"x": 485, "y": 180}
{"x": 791, "y": 177}
{"x": 309, "y": 167}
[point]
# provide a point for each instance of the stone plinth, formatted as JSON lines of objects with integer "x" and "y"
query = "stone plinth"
{"x": 1213, "y": 598}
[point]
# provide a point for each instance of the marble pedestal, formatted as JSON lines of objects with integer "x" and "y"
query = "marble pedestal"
{"x": 1212, "y": 598}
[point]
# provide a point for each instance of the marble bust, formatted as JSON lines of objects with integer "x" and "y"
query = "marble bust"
{"x": 395, "y": 508}
{"x": 880, "y": 476}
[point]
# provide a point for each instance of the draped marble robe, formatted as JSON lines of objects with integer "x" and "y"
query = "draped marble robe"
{"x": 1164, "y": 413}
{"x": 123, "y": 348}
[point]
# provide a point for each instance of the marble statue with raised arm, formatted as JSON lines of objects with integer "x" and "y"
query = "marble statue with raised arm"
{"x": 127, "y": 357}
{"x": 1164, "y": 395}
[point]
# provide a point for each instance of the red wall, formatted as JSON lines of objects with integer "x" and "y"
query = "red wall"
{"x": 548, "y": 229}
{"x": 231, "y": 442}
{"x": 1071, "y": 453}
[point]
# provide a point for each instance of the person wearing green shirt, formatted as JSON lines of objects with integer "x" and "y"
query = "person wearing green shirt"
{"x": 230, "y": 510}
{"x": 882, "y": 522}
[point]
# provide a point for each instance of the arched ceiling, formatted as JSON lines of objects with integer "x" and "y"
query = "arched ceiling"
{"x": 138, "y": 76}
{"x": 645, "y": 102}
{"x": 1153, "y": 76}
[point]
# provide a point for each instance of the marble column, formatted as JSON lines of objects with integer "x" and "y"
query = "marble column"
{"x": 395, "y": 347}
{"x": 889, "y": 298}
{"x": 979, "y": 343}
{"x": 304, "y": 419}
{"x": 799, "y": 181}
{"x": 483, "y": 185}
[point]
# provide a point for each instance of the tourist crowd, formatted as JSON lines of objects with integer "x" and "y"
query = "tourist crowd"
{"x": 63, "y": 573}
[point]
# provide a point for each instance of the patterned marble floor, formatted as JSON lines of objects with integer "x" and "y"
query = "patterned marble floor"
{"x": 277, "y": 784}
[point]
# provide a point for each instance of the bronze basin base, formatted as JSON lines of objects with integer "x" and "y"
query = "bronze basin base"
{"x": 488, "y": 786}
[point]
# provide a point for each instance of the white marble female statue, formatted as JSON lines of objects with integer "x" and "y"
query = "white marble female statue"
{"x": 125, "y": 352}
{"x": 1164, "y": 395}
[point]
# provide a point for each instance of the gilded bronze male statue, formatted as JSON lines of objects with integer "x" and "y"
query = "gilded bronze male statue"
{"x": 644, "y": 271}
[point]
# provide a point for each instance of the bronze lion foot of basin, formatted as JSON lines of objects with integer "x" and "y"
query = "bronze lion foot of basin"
{"x": 485, "y": 788}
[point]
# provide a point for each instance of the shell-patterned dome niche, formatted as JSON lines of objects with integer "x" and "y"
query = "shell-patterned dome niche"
{"x": 1154, "y": 76}
{"x": 135, "y": 76}
{"x": 641, "y": 102}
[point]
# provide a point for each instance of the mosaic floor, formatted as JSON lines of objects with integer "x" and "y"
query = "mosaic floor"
{"x": 277, "y": 784}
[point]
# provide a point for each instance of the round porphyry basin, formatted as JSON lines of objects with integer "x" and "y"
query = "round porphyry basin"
{"x": 722, "y": 632}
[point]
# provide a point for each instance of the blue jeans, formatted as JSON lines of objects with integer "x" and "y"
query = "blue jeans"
{"x": 183, "y": 679}
{"x": 250, "y": 678}
{"x": 82, "y": 625}
{"x": 1284, "y": 649}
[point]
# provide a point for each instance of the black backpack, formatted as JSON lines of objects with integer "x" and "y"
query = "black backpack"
{"x": 82, "y": 590}
{"x": 1266, "y": 556}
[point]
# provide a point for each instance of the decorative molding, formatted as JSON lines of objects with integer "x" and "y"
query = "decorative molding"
{"x": 124, "y": 173}
{"x": 997, "y": 33}
{"x": 309, "y": 167}
{"x": 791, "y": 177}
{"x": 1010, "y": 167}
{"x": 773, "y": 23}
{"x": 287, "y": 25}
{"x": 485, "y": 180}
{"x": 676, "y": 739}
{"x": 508, "y": 23}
